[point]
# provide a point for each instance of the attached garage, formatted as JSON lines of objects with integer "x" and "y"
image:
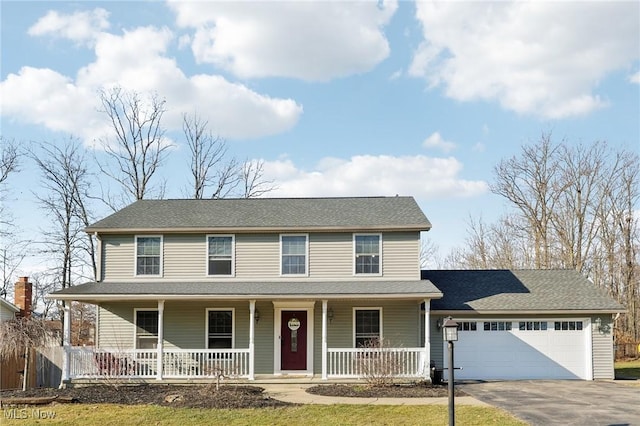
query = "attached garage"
{"x": 523, "y": 324}
{"x": 526, "y": 348}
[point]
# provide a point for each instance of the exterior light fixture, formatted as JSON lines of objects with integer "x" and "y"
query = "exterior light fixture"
{"x": 256, "y": 315}
{"x": 450, "y": 328}
{"x": 330, "y": 314}
{"x": 450, "y": 335}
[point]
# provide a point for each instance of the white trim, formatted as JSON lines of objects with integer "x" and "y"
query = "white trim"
{"x": 588, "y": 350}
{"x": 233, "y": 325}
{"x": 160, "y": 344}
{"x": 252, "y": 339}
{"x": 135, "y": 323}
{"x": 99, "y": 250}
{"x": 233, "y": 255}
{"x": 324, "y": 339}
{"x": 365, "y": 308}
{"x": 353, "y": 256}
{"x": 280, "y": 306}
{"x": 135, "y": 256}
{"x": 306, "y": 255}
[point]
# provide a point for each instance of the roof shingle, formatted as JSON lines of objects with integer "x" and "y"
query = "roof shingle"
{"x": 518, "y": 290}
{"x": 268, "y": 213}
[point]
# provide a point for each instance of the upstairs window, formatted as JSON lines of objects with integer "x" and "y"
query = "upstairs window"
{"x": 146, "y": 329}
{"x": 294, "y": 254}
{"x": 220, "y": 255}
{"x": 149, "y": 255}
{"x": 368, "y": 252}
{"x": 367, "y": 327}
{"x": 219, "y": 328}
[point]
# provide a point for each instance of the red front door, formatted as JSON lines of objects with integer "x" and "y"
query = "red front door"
{"x": 293, "y": 340}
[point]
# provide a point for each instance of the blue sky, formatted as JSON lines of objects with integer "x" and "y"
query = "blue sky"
{"x": 337, "y": 98}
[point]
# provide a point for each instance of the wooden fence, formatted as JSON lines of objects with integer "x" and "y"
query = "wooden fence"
{"x": 45, "y": 369}
{"x": 627, "y": 350}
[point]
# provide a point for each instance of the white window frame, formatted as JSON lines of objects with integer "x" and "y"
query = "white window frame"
{"x": 135, "y": 256}
{"x": 135, "y": 325}
{"x": 233, "y": 255}
{"x": 366, "y": 308}
{"x": 374, "y": 274}
{"x": 233, "y": 325}
{"x": 306, "y": 255}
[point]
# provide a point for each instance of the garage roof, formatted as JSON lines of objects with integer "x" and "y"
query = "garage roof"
{"x": 512, "y": 291}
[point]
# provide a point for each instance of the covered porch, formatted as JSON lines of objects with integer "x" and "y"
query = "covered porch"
{"x": 275, "y": 336}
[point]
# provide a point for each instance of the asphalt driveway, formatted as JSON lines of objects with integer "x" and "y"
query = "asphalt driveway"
{"x": 562, "y": 402}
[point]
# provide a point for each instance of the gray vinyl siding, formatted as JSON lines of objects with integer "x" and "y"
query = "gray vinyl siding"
{"x": 263, "y": 340}
{"x": 399, "y": 322}
{"x": 257, "y": 257}
{"x": 602, "y": 348}
{"x": 117, "y": 257}
{"x": 401, "y": 254}
{"x": 116, "y": 328}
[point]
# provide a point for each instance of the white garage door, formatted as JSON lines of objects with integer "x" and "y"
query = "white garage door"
{"x": 522, "y": 349}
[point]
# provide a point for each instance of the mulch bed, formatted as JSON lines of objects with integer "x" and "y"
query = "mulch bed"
{"x": 206, "y": 396}
{"x": 413, "y": 390}
{"x": 193, "y": 396}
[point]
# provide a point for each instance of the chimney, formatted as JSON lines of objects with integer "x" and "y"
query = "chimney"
{"x": 22, "y": 296}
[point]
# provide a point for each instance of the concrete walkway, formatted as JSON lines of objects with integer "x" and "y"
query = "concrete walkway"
{"x": 296, "y": 393}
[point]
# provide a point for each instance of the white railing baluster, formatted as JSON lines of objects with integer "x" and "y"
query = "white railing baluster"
{"x": 354, "y": 362}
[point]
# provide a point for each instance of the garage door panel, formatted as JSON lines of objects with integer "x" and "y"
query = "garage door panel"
{"x": 520, "y": 354}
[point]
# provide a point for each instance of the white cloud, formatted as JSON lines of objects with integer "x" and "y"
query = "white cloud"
{"x": 80, "y": 27}
{"x": 138, "y": 60}
{"x": 539, "y": 58}
{"x": 423, "y": 177}
{"x": 313, "y": 41}
{"x": 436, "y": 141}
{"x": 635, "y": 78}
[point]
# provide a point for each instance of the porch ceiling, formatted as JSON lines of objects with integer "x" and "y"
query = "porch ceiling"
{"x": 374, "y": 289}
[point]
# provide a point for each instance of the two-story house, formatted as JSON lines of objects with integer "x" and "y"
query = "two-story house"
{"x": 319, "y": 287}
{"x": 246, "y": 287}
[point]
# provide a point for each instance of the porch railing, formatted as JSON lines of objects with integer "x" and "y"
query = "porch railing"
{"x": 363, "y": 362}
{"x": 143, "y": 363}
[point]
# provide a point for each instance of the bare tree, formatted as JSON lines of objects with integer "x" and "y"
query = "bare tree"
{"x": 209, "y": 165}
{"x": 574, "y": 207}
{"x": 9, "y": 156}
{"x": 526, "y": 181}
{"x": 253, "y": 182}
{"x": 65, "y": 180}
{"x": 137, "y": 148}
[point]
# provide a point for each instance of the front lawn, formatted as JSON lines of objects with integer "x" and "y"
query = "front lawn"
{"x": 627, "y": 369}
{"x": 109, "y": 414}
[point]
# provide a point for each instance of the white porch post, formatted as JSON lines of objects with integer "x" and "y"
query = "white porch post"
{"x": 160, "y": 345}
{"x": 324, "y": 340}
{"x": 66, "y": 343}
{"x": 427, "y": 336}
{"x": 252, "y": 330}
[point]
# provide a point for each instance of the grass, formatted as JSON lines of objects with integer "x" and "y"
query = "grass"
{"x": 628, "y": 369}
{"x": 107, "y": 414}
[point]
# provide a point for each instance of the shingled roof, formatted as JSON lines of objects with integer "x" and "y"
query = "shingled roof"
{"x": 374, "y": 289}
{"x": 263, "y": 214}
{"x": 511, "y": 291}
